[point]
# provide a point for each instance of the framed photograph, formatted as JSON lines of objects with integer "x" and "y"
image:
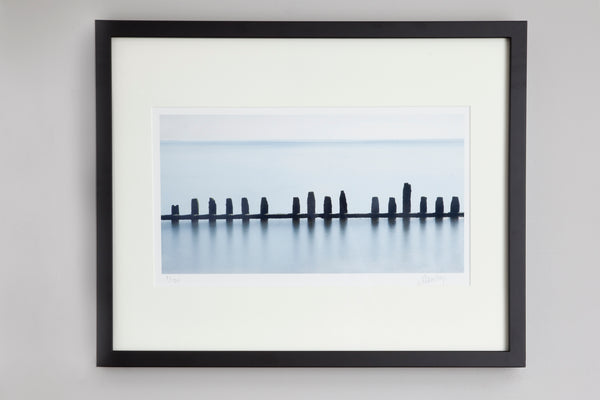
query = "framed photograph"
{"x": 311, "y": 194}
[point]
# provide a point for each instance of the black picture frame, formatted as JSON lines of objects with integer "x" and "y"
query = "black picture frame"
{"x": 515, "y": 31}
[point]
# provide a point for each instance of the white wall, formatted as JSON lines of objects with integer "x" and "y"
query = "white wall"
{"x": 47, "y": 208}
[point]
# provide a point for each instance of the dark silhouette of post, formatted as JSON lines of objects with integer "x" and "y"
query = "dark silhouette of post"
{"x": 228, "y": 207}
{"x": 343, "y": 205}
{"x": 264, "y": 208}
{"x": 439, "y": 207}
{"x": 392, "y": 208}
{"x": 375, "y": 207}
{"x": 212, "y": 209}
{"x": 454, "y": 207}
{"x": 406, "y": 191}
{"x": 195, "y": 207}
{"x": 392, "y": 212}
{"x": 245, "y": 208}
{"x": 295, "y": 207}
{"x": 311, "y": 205}
{"x": 423, "y": 206}
{"x": 195, "y": 210}
{"x": 174, "y": 211}
{"x": 327, "y": 207}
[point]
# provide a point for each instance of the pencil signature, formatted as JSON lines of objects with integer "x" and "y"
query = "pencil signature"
{"x": 428, "y": 279}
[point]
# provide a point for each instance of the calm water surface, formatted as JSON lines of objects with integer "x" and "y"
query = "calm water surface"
{"x": 280, "y": 171}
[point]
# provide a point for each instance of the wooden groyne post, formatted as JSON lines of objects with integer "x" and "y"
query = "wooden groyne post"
{"x": 245, "y": 208}
{"x": 423, "y": 206}
{"x": 175, "y": 211}
{"x": 375, "y": 207}
{"x": 343, "y": 205}
{"x": 195, "y": 208}
{"x": 327, "y": 207}
{"x": 212, "y": 207}
{"x": 296, "y": 207}
{"x": 439, "y": 207}
{"x": 311, "y": 205}
{"x": 406, "y": 192}
{"x": 392, "y": 208}
{"x": 264, "y": 208}
{"x": 454, "y": 207}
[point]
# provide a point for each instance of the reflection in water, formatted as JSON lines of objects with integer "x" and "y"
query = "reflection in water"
{"x": 405, "y": 224}
{"x": 314, "y": 246}
{"x": 296, "y": 225}
{"x": 264, "y": 225}
{"x": 343, "y": 223}
{"x": 195, "y": 230}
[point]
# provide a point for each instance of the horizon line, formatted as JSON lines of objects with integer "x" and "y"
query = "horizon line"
{"x": 307, "y": 141}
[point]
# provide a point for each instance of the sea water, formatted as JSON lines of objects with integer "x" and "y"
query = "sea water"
{"x": 280, "y": 171}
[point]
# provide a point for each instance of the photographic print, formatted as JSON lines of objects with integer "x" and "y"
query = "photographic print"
{"x": 313, "y": 192}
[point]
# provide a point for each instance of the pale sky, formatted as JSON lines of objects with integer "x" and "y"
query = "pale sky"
{"x": 314, "y": 124}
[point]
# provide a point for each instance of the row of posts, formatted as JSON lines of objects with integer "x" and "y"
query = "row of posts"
{"x": 327, "y": 206}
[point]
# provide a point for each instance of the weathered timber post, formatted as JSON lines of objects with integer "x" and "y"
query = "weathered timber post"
{"x": 195, "y": 208}
{"x": 406, "y": 192}
{"x": 375, "y": 207}
{"x": 228, "y": 207}
{"x": 245, "y": 207}
{"x": 423, "y": 206}
{"x": 264, "y": 208}
{"x": 212, "y": 210}
{"x": 392, "y": 208}
{"x": 327, "y": 207}
{"x": 454, "y": 207}
{"x": 174, "y": 211}
{"x": 295, "y": 207}
{"x": 343, "y": 205}
{"x": 439, "y": 207}
{"x": 310, "y": 205}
